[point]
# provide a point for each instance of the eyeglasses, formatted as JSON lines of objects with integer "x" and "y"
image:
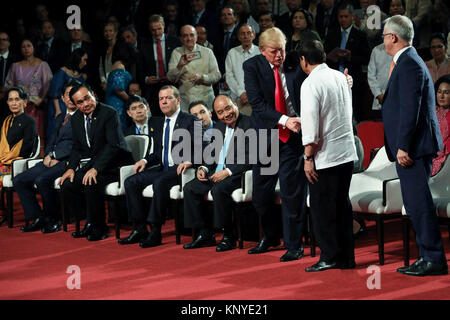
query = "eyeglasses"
{"x": 440, "y": 46}
{"x": 386, "y": 34}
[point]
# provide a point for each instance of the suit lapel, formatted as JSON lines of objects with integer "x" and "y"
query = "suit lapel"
{"x": 95, "y": 124}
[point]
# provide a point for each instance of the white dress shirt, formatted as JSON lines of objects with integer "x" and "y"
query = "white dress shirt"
{"x": 173, "y": 119}
{"x": 234, "y": 74}
{"x": 327, "y": 117}
{"x": 378, "y": 73}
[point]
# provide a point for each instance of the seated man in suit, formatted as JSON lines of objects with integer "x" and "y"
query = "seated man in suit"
{"x": 160, "y": 169}
{"x": 96, "y": 135}
{"x": 139, "y": 111}
{"x": 44, "y": 174}
{"x": 220, "y": 178}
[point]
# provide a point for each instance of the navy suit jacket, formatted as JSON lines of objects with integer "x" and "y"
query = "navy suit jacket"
{"x": 108, "y": 150}
{"x": 184, "y": 121}
{"x": 60, "y": 140}
{"x": 409, "y": 115}
{"x": 243, "y": 122}
{"x": 260, "y": 88}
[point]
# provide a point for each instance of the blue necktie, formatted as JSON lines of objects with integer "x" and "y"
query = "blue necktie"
{"x": 223, "y": 153}
{"x": 89, "y": 128}
{"x": 342, "y": 46}
{"x": 166, "y": 145}
{"x": 196, "y": 19}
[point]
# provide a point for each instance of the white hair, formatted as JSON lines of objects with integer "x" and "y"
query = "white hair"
{"x": 401, "y": 26}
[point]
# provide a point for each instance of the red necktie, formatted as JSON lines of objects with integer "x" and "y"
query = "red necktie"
{"x": 161, "y": 71}
{"x": 66, "y": 119}
{"x": 280, "y": 105}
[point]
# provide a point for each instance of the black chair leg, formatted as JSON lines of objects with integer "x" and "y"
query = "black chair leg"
{"x": 64, "y": 217}
{"x": 380, "y": 239}
{"x": 177, "y": 217}
{"x": 238, "y": 223}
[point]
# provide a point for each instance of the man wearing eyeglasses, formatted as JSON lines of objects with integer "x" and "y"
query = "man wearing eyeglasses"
{"x": 96, "y": 135}
{"x": 6, "y": 60}
{"x": 139, "y": 111}
{"x": 412, "y": 138}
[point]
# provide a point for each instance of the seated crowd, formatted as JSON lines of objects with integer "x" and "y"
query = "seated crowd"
{"x": 185, "y": 65}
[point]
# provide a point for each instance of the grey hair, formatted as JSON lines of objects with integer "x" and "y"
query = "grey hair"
{"x": 401, "y": 26}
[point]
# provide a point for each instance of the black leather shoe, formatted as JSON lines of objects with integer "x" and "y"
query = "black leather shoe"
{"x": 134, "y": 237}
{"x": 98, "y": 233}
{"x": 153, "y": 240}
{"x": 35, "y": 226}
{"x": 427, "y": 268}
{"x": 264, "y": 245}
{"x": 201, "y": 242}
{"x": 292, "y": 255}
{"x": 87, "y": 230}
{"x": 226, "y": 244}
{"x": 347, "y": 265}
{"x": 414, "y": 265}
{"x": 52, "y": 227}
{"x": 322, "y": 266}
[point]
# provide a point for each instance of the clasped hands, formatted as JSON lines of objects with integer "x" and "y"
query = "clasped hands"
{"x": 216, "y": 177}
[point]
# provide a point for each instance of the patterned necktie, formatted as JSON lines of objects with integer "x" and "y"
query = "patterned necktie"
{"x": 161, "y": 71}
{"x": 66, "y": 119}
{"x": 166, "y": 145}
{"x": 89, "y": 127}
{"x": 342, "y": 46}
{"x": 223, "y": 153}
{"x": 280, "y": 105}
{"x": 391, "y": 68}
{"x": 142, "y": 129}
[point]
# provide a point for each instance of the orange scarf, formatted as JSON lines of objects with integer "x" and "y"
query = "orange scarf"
{"x": 7, "y": 154}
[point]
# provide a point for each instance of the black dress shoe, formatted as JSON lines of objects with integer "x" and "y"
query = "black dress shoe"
{"x": 226, "y": 244}
{"x": 35, "y": 226}
{"x": 153, "y": 240}
{"x": 427, "y": 268}
{"x": 414, "y": 265}
{"x": 347, "y": 265}
{"x": 87, "y": 230}
{"x": 201, "y": 242}
{"x": 52, "y": 227}
{"x": 264, "y": 245}
{"x": 292, "y": 254}
{"x": 322, "y": 266}
{"x": 134, "y": 237}
{"x": 98, "y": 233}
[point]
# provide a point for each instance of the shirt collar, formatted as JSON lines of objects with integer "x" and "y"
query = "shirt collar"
{"x": 174, "y": 116}
{"x": 5, "y": 55}
{"x": 199, "y": 14}
{"x": 348, "y": 29}
{"x": 397, "y": 55}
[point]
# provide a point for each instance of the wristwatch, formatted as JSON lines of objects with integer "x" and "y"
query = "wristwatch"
{"x": 306, "y": 158}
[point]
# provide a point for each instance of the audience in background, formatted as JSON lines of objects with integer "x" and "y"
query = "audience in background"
{"x": 440, "y": 64}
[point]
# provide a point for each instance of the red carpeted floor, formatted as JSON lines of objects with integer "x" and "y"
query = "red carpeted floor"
{"x": 34, "y": 265}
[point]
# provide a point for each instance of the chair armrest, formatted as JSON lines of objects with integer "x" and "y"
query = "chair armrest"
{"x": 187, "y": 176}
{"x": 18, "y": 166}
{"x": 32, "y": 162}
{"x": 392, "y": 194}
{"x": 125, "y": 172}
{"x": 247, "y": 182}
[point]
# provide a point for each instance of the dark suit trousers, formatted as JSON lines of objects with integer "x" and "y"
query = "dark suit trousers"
{"x": 79, "y": 196}
{"x": 194, "y": 194}
{"x": 44, "y": 179}
{"x": 419, "y": 205}
{"x": 293, "y": 192}
{"x": 332, "y": 215}
{"x": 162, "y": 183}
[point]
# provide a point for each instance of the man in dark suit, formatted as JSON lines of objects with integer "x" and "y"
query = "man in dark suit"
{"x": 200, "y": 15}
{"x": 7, "y": 58}
{"x": 44, "y": 174}
{"x": 156, "y": 61}
{"x": 227, "y": 36}
{"x": 51, "y": 48}
{"x": 347, "y": 48}
{"x": 221, "y": 178}
{"x": 97, "y": 136}
{"x": 139, "y": 111}
{"x": 326, "y": 17}
{"x": 263, "y": 77}
{"x": 160, "y": 169}
{"x": 412, "y": 138}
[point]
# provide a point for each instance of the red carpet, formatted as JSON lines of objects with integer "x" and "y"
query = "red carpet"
{"x": 33, "y": 266}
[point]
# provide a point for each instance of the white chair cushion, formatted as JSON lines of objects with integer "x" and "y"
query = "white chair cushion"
{"x": 176, "y": 193}
{"x": 56, "y": 184}
{"x": 7, "y": 181}
{"x": 148, "y": 192}
{"x": 113, "y": 190}
{"x": 442, "y": 207}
